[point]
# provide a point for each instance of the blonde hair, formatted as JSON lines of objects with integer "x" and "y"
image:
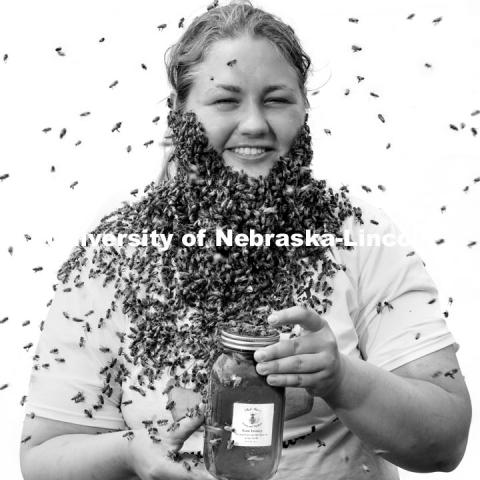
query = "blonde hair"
{"x": 229, "y": 21}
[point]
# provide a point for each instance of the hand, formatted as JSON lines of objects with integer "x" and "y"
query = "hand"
{"x": 311, "y": 361}
{"x": 151, "y": 461}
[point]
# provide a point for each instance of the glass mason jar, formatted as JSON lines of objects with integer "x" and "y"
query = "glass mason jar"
{"x": 244, "y": 415}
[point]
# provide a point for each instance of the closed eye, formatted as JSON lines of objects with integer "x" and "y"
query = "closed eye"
{"x": 231, "y": 100}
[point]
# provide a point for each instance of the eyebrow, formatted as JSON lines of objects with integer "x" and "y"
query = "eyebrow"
{"x": 235, "y": 89}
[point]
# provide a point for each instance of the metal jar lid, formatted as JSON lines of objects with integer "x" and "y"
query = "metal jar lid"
{"x": 247, "y": 342}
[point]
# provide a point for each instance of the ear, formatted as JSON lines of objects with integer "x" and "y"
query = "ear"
{"x": 172, "y": 100}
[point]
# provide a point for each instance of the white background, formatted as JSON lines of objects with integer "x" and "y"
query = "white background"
{"x": 427, "y": 166}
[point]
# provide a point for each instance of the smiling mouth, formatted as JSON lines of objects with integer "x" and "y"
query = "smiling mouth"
{"x": 250, "y": 156}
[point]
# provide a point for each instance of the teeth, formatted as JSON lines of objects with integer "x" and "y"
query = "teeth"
{"x": 249, "y": 151}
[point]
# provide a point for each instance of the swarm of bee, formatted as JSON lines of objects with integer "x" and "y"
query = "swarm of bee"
{"x": 215, "y": 286}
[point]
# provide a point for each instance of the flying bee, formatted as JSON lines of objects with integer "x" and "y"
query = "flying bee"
{"x": 23, "y": 400}
{"x": 147, "y": 144}
{"x": 437, "y": 20}
{"x": 78, "y": 143}
{"x": 74, "y": 184}
{"x": 353, "y": 20}
{"x": 474, "y": 131}
{"x": 81, "y": 343}
{"x": 114, "y": 84}
{"x": 471, "y": 244}
{"x": 37, "y": 269}
{"x": 346, "y": 92}
{"x": 25, "y": 323}
{"x": 143, "y": 66}
{"x": 134, "y": 192}
{"x": 321, "y": 443}
{"x": 410, "y": 16}
{"x": 156, "y": 119}
{"x": 356, "y": 48}
{"x": 367, "y": 189}
{"x": 375, "y": 95}
{"x": 28, "y": 346}
{"x": 360, "y": 78}
{"x": 3, "y": 320}
{"x": 450, "y": 300}
{"x": 381, "y": 118}
{"x": 428, "y": 65}
{"x": 374, "y": 222}
{"x": 27, "y": 236}
{"x": 52, "y": 168}
{"x": 63, "y": 132}
{"x": 327, "y": 131}
{"x": 26, "y": 439}
{"x": 231, "y": 63}
{"x": 129, "y": 148}
{"x": 388, "y": 145}
{"x": 433, "y": 300}
{"x": 162, "y": 26}
{"x": 5, "y": 57}
{"x": 443, "y": 208}
{"x": 453, "y": 127}
{"x": 440, "y": 241}
{"x": 466, "y": 188}
{"x": 180, "y": 23}
{"x": 116, "y": 127}
{"x": 84, "y": 114}
{"x": 46, "y": 130}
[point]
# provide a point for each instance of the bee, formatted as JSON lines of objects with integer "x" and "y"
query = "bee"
{"x": 388, "y": 146}
{"x": 37, "y": 269}
{"x": 25, "y": 323}
{"x": 28, "y": 346}
{"x": 78, "y": 143}
{"x": 162, "y": 26}
{"x": 453, "y": 127}
{"x": 373, "y": 94}
{"x": 84, "y": 114}
{"x": 3, "y": 320}
{"x": 60, "y": 52}
{"x": 443, "y": 208}
{"x": 154, "y": 439}
{"x": 231, "y": 63}
{"x": 471, "y": 244}
{"x": 353, "y": 20}
{"x": 476, "y": 180}
{"x": 60, "y": 360}
{"x": 32, "y": 415}
{"x": 5, "y": 57}
{"x": 143, "y": 66}
{"x": 381, "y": 118}
{"x": 79, "y": 397}
{"x": 417, "y": 336}
{"x": 374, "y": 222}
{"x": 127, "y": 402}
{"x": 42, "y": 323}
{"x": 474, "y": 131}
{"x": 451, "y": 373}
{"x": 388, "y": 305}
{"x": 367, "y": 189}
{"x": 381, "y": 188}
{"x": 445, "y": 314}
{"x": 54, "y": 351}
{"x": 147, "y": 144}
{"x": 52, "y": 168}
{"x": 320, "y": 443}
{"x": 156, "y": 119}
{"x": 428, "y": 65}
{"x": 437, "y": 20}
{"x": 360, "y": 78}
{"x": 450, "y": 300}
{"x": 27, "y": 236}
{"x": 104, "y": 349}
{"x": 78, "y": 320}
{"x": 433, "y": 300}
{"x": 410, "y": 16}
{"x": 113, "y": 84}
{"x": 356, "y": 48}
{"x": 327, "y": 131}
{"x": 134, "y": 192}
{"x": 116, "y": 127}
{"x": 88, "y": 413}
{"x": 63, "y": 132}
{"x": 26, "y": 439}
{"x": 440, "y": 241}
{"x": 180, "y": 23}
{"x": 129, "y": 148}
{"x": 466, "y": 188}
{"x": 46, "y": 130}
{"x": 214, "y": 4}
{"x": 365, "y": 468}
{"x": 170, "y": 405}
{"x": 347, "y": 91}
{"x": 74, "y": 184}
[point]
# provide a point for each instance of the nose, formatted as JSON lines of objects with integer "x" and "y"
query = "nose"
{"x": 253, "y": 121}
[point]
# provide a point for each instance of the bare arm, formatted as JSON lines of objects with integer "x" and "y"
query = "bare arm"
{"x": 55, "y": 454}
{"x": 417, "y": 417}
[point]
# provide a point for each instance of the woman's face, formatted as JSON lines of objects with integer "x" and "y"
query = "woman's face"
{"x": 247, "y": 97}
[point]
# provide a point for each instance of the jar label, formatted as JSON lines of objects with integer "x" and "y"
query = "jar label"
{"x": 252, "y": 424}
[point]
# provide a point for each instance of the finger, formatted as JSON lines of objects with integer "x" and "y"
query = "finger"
{"x": 304, "y": 380}
{"x": 310, "y": 363}
{"x": 185, "y": 427}
{"x": 311, "y": 343}
{"x": 297, "y": 315}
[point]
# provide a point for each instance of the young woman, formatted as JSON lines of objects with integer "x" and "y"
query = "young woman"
{"x": 372, "y": 377}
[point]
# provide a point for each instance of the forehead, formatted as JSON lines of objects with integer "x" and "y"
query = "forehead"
{"x": 254, "y": 62}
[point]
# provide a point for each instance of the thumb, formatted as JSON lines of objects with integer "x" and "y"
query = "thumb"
{"x": 186, "y": 426}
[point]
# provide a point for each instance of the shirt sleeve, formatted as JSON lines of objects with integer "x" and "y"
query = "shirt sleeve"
{"x": 399, "y": 317}
{"x": 76, "y": 376}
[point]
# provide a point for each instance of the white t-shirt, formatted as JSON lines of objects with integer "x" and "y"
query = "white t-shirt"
{"x": 413, "y": 328}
